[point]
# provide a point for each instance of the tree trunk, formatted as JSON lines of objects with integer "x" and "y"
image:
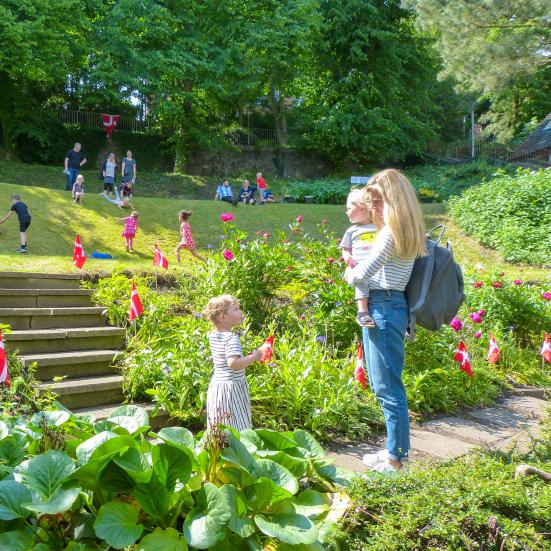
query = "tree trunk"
{"x": 279, "y": 116}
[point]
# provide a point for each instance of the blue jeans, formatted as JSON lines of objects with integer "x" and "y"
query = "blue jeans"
{"x": 384, "y": 353}
{"x": 72, "y": 174}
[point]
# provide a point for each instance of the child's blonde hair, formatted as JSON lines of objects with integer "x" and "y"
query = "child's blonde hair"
{"x": 402, "y": 212}
{"x": 218, "y": 306}
{"x": 360, "y": 197}
{"x": 135, "y": 214}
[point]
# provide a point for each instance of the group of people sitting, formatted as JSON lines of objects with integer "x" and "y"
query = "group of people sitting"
{"x": 249, "y": 195}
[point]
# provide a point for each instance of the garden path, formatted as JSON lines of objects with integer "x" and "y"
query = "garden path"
{"x": 513, "y": 421}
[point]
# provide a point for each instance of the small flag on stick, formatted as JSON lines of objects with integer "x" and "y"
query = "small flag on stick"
{"x": 4, "y": 374}
{"x": 462, "y": 356}
{"x": 267, "y": 349}
{"x": 159, "y": 259}
{"x": 493, "y": 351}
{"x": 136, "y": 307}
{"x": 359, "y": 372}
{"x": 546, "y": 349}
{"x": 79, "y": 258}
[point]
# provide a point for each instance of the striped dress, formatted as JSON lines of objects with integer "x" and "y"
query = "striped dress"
{"x": 228, "y": 399}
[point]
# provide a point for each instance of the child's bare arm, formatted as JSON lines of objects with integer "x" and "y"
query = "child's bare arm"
{"x": 5, "y": 217}
{"x": 347, "y": 256}
{"x": 240, "y": 362}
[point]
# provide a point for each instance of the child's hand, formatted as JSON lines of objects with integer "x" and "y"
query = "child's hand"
{"x": 257, "y": 354}
{"x": 347, "y": 276}
{"x": 350, "y": 261}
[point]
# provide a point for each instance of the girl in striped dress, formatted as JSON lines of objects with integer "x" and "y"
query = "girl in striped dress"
{"x": 228, "y": 399}
{"x": 186, "y": 239}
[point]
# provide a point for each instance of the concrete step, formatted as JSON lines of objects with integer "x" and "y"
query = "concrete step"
{"x": 87, "y": 391}
{"x": 82, "y": 363}
{"x": 162, "y": 419}
{"x": 36, "y": 280}
{"x": 21, "y": 319}
{"x": 39, "y": 341}
{"x": 44, "y": 298}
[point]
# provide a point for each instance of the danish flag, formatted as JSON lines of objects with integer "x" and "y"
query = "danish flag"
{"x": 159, "y": 259}
{"x": 462, "y": 356}
{"x": 109, "y": 123}
{"x": 493, "y": 351}
{"x": 79, "y": 258}
{"x": 136, "y": 308}
{"x": 267, "y": 349}
{"x": 4, "y": 374}
{"x": 545, "y": 349}
{"x": 359, "y": 372}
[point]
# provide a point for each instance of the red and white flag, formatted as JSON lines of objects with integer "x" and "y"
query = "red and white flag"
{"x": 359, "y": 372}
{"x": 546, "y": 349}
{"x": 136, "y": 308}
{"x": 462, "y": 356}
{"x": 159, "y": 259}
{"x": 110, "y": 123}
{"x": 4, "y": 374}
{"x": 493, "y": 351}
{"x": 267, "y": 349}
{"x": 79, "y": 258}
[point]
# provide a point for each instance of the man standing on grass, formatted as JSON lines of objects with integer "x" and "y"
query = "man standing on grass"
{"x": 24, "y": 217}
{"x": 73, "y": 161}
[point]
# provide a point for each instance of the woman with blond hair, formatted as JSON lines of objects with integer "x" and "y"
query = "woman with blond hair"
{"x": 400, "y": 241}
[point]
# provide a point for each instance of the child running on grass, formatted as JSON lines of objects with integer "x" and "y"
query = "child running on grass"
{"x": 356, "y": 245}
{"x": 130, "y": 229}
{"x": 24, "y": 218}
{"x": 186, "y": 239}
{"x": 228, "y": 399}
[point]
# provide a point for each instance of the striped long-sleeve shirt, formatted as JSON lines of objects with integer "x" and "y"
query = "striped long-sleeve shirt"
{"x": 382, "y": 267}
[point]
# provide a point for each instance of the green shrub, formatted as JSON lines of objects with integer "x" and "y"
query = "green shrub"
{"x": 322, "y": 191}
{"x": 511, "y": 214}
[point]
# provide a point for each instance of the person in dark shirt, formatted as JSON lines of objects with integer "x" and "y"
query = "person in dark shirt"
{"x": 24, "y": 217}
{"x": 73, "y": 161}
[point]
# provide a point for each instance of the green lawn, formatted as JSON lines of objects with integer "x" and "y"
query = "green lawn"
{"x": 56, "y": 220}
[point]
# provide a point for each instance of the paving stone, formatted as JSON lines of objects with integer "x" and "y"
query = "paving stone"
{"x": 350, "y": 457}
{"x": 438, "y": 445}
{"x": 528, "y": 406}
{"x": 468, "y": 431}
{"x": 499, "y": 417}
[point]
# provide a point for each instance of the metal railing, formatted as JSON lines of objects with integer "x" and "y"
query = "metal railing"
{"x": 93, "y": 120}
{"x": 252, "y": 136}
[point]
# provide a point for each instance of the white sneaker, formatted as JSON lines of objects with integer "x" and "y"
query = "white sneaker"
{"x": 372, "y": 459}
{"x": 385, "y": 467}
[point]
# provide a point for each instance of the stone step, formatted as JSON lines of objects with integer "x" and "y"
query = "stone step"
{"x": 44, "y": 298}
{"x": 65, "y": 340}
{"x": 82, "y": 363}
{"x": 87, "y": 391}
{"x": 162, "y": 419}
{"x": 21, "y": 319}
{"x": 36, "y": 280}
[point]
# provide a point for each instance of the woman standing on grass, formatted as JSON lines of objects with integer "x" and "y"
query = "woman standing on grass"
{"x": 400, "y": 241}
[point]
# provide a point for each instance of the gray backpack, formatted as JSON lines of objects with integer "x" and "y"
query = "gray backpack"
{"x": 435, "y": 289}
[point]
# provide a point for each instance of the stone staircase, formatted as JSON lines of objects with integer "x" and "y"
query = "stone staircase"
{"x": 55, "y": 325}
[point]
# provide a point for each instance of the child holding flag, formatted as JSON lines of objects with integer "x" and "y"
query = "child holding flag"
{"x": 130, "y": 229}
{"x": 186, "y": 239}
{"x": 228, "y": 399}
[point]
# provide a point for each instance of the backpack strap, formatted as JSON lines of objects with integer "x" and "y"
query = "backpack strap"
{"x": 442, "y": 229}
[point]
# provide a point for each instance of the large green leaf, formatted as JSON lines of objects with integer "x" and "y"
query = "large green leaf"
{"x": 179, "y": 436}
{"x": 131, "y": 410}
{"x": 16, "y": 541}
{"x": 237, "y": 453}
{"x": 87, "y": 448}
{"x": 206, "y": 525}
{"x": 4, "y": 430}
{"x": 311, "y": 504}
{"x": 115, "y": 479}
{"x": 155, "y": 498}
{"x": 117, "y": 524}
{"x": 163, "y": 540}
{"x": 50, "y": 418}
{"x": 135, "y": 464}
{"x": 60, "y": 501}
{"x": 78, "y": 546}
{"x": 288, "y": 528}
{"x": 251, "y": 440}
{"x": 325, "y": 469}
{"x": 240, "y": 524}
{"x": 276, "y": 440}
{"x": 264, "y": 493}
{"x": 11, "y": 452}
{"x": 12, "y": 495}
{"x": 46, "y": 472}
{"x": 307, "y": 441}
{"x": 277, "y": 473}
{"x": 171, "y": 464}
{"x": 295, "y": 465}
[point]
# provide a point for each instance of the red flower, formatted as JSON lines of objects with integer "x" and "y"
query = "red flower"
{"x": 546, "y": 296}
{"x": 299, "y": 219}
{"x": 302, "y": 317}
{"x": 478, "y": 284}
{"x": 517, "y": 281}
{"x": 497, "y": 284}
{"x": 226, "y": 217}
{"x": 228, "y": 255}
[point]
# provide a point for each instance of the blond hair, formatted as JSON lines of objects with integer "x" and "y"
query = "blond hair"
{"x": 218, "y": 306}
{"x": 402, "y": 212}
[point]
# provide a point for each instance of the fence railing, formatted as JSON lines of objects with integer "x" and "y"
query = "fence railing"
{"x": 252, "y": 136}
{"x": 93, "y": 120}
{"x": 488, "y": 147}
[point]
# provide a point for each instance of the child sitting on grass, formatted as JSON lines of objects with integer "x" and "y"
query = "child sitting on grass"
{"x": 130, "y": 229}
{"x": 228, "y": 399}
{"x": 24, "y": 218}
{"x": 78, "y": 190}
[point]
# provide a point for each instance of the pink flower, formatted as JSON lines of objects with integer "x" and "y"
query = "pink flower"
{"x": 289, "y": 268}
{"x": 228, "y": 255}
{"x": 476, "y": 317}
{"x": 259, "y": 232}
{"x": 497, "y": 284}
{"x": 330, "y": 281}
{"x": 517, "y": 281}
{"x": 456, "y": 324}
{"x": 302, "y": 317}
{"x": 266, "y": 235}
{"x": 330, "y": 260}
{"x": 226, "y": 217}
{"x": 477, "y": 335}
{"x": 546, "y": 296}
{"x": 299, "y": 219}
{"x": 478, "y": 284}
{"x": 482, "y": 312}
